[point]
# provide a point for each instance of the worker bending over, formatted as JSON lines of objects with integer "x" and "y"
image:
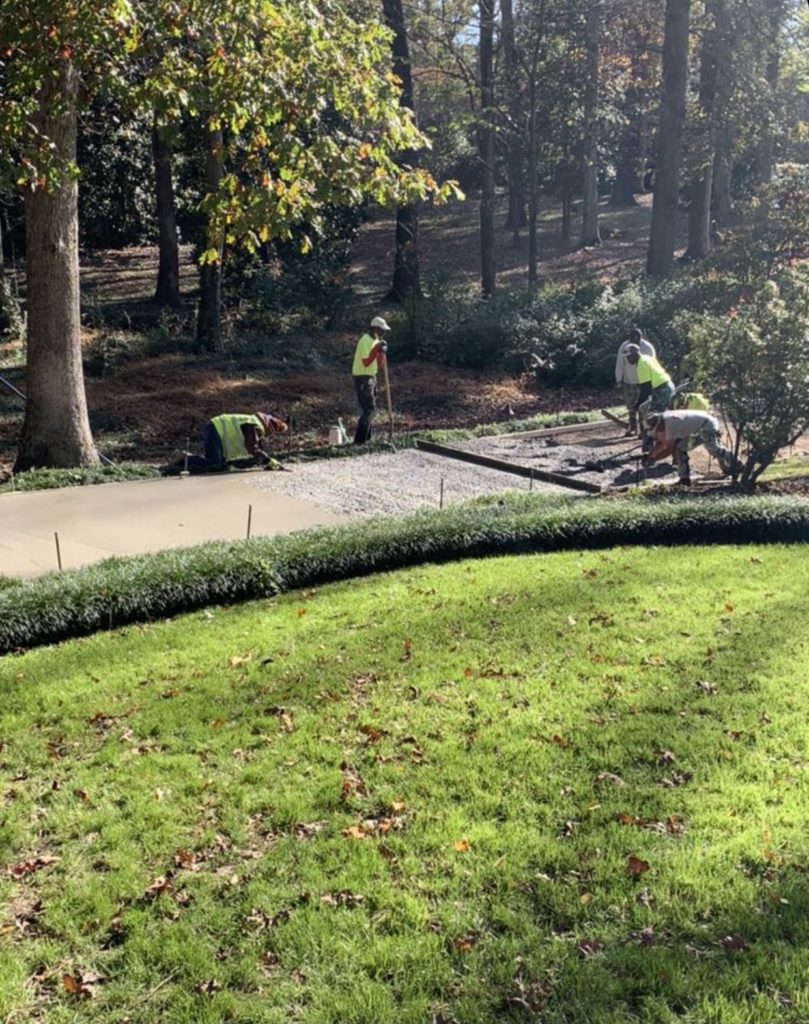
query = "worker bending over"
{"x": 369, "y": 358}
{"x": 626, "y": 374}
{"x": 236, "y": 437}
{"x": 674, "y": 433}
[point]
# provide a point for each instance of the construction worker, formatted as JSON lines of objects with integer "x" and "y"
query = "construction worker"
{"x": 369, "y": 358}
{"x": 656, "y": 389}
{"x": 626, "y": 375}
{"x": 674, "y": 433}
{"x": 691, "y": 400}
{"x": 236, "y": 437}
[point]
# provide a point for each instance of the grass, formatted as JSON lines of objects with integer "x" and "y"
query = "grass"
{"x": 560, "y": 788}
{"x": 787, "y": 469}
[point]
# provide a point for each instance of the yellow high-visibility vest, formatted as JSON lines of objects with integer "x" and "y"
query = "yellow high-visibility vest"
{"x": 696, "y": 400}
{"x": 362, "y": 351}
{"x": 229, "y": 428}
{"x": 651, "y": 372}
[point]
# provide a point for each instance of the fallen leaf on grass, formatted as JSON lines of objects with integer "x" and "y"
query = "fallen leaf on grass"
{"x": 344, "y": 898}
{"x": 636, "y": 867}
{"x": 665, "y": 757}
{"x": 28, "y": 867}
{"x": 239, "y": 659}
{"x": 734, "y": 943}
{"x": 560, "y": 741}
{"x": 407, "y": 650}
{"x": 82, "y": 985}
{"x": 589, "y": 947}
{"x": 466, "y": 943}
{"x": 728, "y": 607}
{"x": 158, "y": 886}
{"x": 461, "y": 845}
{"x": 354, "y": 832}
{"x": 610, "y": 777}
{"x": 371, "y": 733}
{"x": 209, "y": 988}
{"x": 706, "y": 687}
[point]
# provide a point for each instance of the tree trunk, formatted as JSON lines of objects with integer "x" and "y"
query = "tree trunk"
{"x": 5, "y": 320}
{"x": 168, "y": 273}
{"x": 209, "y": 314}
{"x": 662, "y": 238}
{"x": 56, "y": 428}
{"x": 515, "y": 150}
{"x": 699, "y": 213}
{"x": 406, "y": 259}
{"x": 488, "y": 280}
{"x": 723, "y": 143}
{"x": 626, "y": 176}
{"x": 590, "y": 234}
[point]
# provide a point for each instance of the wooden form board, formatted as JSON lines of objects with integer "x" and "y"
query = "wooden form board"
{"x": 508, "y": 467}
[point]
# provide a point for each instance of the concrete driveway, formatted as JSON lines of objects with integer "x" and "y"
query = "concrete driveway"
{"x": 135, "y": 517}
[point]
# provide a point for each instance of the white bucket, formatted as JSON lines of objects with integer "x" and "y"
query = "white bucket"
{"x": 336, "y": 435}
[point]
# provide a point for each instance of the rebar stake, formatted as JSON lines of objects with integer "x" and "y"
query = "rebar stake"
{"x": 58, "y": 552}
{"x": 441, "y": 494}
{"x": 249, "y": 519}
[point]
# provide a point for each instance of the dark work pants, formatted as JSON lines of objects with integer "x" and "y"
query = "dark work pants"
{"x": 214, "y": 457}
{"x": 366, "y": 396}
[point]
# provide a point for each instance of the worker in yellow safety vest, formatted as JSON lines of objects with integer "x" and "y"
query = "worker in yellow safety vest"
{"x": 656, "y": 389}
{"x": 369, "y": 358}
{"x": 235, "y": 437}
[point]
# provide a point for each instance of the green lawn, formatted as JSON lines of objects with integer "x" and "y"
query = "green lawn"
{"x": 558, "y": 788}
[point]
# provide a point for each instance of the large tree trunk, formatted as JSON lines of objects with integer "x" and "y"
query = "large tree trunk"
{"x": 533, "y": 197}
{"x": 723, "y": 144}
{"x": 699, "y": 213}
{"x": 168, "y": 273}
{"x": 406, "y": 259}
{"x": 627, "y": 176}
{"x": 515, "y": 150}
{"x": 488, "y": 280}
{"x": 662, "y": 238}
{"x": 56, "y": 428}
{"x": 590, "y": 234}
{"x": 209, "y": 313}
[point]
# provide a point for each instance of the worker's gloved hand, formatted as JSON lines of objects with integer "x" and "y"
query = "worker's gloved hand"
{"x": 383, "y": 346}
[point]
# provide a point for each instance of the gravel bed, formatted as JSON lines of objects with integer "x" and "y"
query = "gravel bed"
{"x": 391, "y": 485}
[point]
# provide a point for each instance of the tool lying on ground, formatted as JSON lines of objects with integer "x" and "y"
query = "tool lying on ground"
{"x": 390, "y": 404}
{"x": 19, "y": 393}
{"x": 601, "y": 465}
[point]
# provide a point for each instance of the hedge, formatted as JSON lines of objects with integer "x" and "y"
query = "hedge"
{"x": 120, "y": 591}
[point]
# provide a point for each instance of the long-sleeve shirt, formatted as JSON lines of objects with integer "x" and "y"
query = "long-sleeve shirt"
{"x": 625, "y": 372}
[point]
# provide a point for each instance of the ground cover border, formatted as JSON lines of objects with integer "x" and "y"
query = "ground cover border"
{"x": 122, "y": 591}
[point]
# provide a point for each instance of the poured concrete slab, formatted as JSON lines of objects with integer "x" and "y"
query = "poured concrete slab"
{"x": 139, "y": 516}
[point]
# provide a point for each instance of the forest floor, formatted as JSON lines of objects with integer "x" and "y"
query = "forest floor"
{"x": 150, "y": 394}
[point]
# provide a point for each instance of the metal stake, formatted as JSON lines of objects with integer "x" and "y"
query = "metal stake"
{"x": 58, "y": 552}
{"x": 531, "y": 481}
{"x": 249, "y": 519}
{"x": 441, "y": 494}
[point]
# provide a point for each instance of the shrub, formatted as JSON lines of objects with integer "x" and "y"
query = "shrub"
{"x": 754, "y": 361}
{"x": 120, "y": 591}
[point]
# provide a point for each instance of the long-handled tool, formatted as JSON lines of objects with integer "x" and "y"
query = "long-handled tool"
{"x": 19, "y": 393}
{"x": 390, "y": 404}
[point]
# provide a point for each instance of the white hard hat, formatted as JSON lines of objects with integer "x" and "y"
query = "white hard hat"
{"x": 381, "y": 323}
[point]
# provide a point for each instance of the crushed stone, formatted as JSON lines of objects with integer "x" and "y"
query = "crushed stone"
{"x": 394, "y": 484}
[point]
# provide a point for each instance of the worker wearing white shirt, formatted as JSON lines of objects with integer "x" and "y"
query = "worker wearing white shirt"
{"x": 626, "y": 375}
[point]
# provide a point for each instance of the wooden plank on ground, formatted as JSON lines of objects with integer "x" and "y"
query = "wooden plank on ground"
{"x": 508, "y": 467}
{"x": 568, "y": 428}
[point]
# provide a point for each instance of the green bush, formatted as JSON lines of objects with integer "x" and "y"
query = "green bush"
{"x": 570, "y": 334}
{"x": 120, "y": 591}
{"x": 754, "y": 362}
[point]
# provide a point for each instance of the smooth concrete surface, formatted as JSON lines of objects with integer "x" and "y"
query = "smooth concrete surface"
{"x": 131, "y": 518}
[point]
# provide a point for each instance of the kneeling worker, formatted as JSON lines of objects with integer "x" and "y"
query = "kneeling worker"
{"x": 235, "y": 437}
{"x": 674, "y": 433}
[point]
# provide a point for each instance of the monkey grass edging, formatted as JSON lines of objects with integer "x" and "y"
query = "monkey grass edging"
{"x": 121, "y": 591}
